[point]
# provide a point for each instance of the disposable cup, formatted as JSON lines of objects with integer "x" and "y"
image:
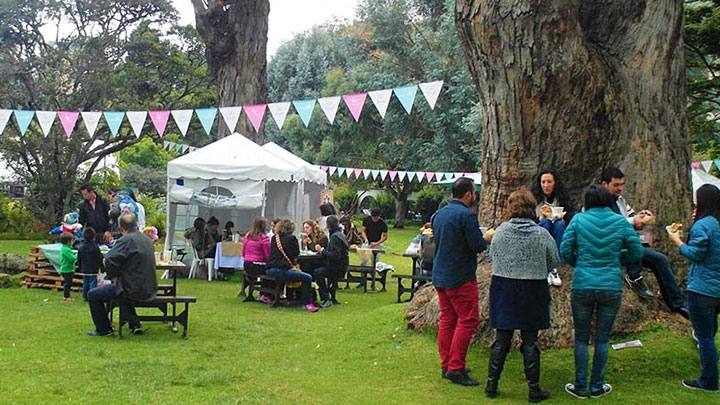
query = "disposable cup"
{"x": 157, "y": 257}
{"x": 557, "y": 211}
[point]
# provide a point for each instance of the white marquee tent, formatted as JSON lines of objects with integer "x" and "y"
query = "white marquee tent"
{"x": 234, "y": 179}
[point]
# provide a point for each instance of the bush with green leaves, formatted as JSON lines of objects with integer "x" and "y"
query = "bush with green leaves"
{"x": 427, "y": 201}
{"x": 386, "y": 202}
{"x": 343, "y": 196}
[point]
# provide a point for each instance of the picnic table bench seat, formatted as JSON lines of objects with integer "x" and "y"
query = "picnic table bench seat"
{"x": 160, "y": 302}
{"x": 414, "y": 278}
{"x": 253, "y": 282}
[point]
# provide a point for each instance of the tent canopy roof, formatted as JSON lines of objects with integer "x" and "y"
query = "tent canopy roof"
{"x": 305, "y": 170}
{"x": 233, "y": 157}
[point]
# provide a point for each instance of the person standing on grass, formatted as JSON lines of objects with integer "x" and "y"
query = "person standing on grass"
{"x": 94, "y": 212}
{"x": 374, "y": 231}
{"x": 596, "y": 243}
{"x": 522, "y": 255}
{"x": 68, "y": 258}
{"x": 703, "y": 282}
{"x": 131, "y": 267}
{"x": 458, "y": 240}
{"x": 90, "y": 261}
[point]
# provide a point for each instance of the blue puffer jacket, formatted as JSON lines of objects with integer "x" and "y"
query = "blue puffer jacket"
{"x": 596, "y": 242}
{"x": 703, "y": 251}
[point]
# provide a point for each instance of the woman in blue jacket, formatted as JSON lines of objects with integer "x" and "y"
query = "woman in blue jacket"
{"x": 595, "y": 243}
{"x": 703, "y": 282}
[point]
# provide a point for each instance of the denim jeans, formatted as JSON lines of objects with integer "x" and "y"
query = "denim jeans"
{"x": 287, "y": 274}
{"x": 89, "y": 282}
{"x": 660, "y": 266}
{"x": 556, "y": 229}
{"x": 704, "y": 311}
{"x": 605, "y": 306}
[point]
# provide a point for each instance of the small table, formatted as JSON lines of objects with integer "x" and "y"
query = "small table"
{"x": 174, "y": 268}
{"x": 375, "y": 253}
{"x": 233, "y": 261}
{"x": 310, "y": 261}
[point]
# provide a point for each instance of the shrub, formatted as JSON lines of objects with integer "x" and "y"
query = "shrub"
{"x": 343, "y": 197}
{"x": 427, "y": 201}
{"x": 386, "y": 202}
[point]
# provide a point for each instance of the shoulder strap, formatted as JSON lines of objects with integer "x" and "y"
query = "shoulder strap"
{"x": 279, "y": 245}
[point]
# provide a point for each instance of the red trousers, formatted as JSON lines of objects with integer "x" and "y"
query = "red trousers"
{"x": 459, "y": 317}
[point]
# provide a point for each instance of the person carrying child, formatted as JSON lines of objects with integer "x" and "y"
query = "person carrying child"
{"x": 90, "y": 261}
{"x": 68, "y": 258}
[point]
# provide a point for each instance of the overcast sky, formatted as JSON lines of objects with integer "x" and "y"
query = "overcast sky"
{"x": 287, "y": 17}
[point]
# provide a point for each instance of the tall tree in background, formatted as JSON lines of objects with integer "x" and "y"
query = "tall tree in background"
{"x": 235, "y": 36}
{"x": 580, "y": 85}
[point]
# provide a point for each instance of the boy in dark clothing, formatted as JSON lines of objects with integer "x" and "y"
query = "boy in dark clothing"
{"x": 336, "y": 259}
{"x": 89, "y": 261}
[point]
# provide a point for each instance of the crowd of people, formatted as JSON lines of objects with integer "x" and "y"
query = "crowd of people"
{"x": 543, "y": 230}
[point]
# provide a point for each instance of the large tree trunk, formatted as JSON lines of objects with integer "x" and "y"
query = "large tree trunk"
{"x": 578, "y": 86}
{"x": 235, "y": 36}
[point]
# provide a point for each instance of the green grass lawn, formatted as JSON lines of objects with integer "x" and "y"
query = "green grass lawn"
{"x": 237, "y": 352}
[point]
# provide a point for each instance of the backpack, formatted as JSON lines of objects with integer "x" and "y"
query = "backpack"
{"x": 427, "y": 252}
{"x": 127, "y": 205}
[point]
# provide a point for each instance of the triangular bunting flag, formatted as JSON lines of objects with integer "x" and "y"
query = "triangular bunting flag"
{"x": 429, "y": 176}
{"x": 304, "y": 109}
{"x": 4, "y": 117}
{"x": 323, "y": 168}
{"x": 114, "y": 120}
{"x": 24, "y": 118}
{"x": 406, "y": 95}
{"x": 91, "y": 120}
{"x": 137, "y": 121}
{"x": 178, "y": 147}
{"x": 230, "y": 115}
{"x": 717, "y": 163}
{"x": 329, "y": 106}
{"x": 206, "y": 117}
{"x": 68, "y": 119}
{"x": 381, "y": 99}
{"x": 279, "y": 112}
{"x": 341, "y": 171}
{"x": 255, "y": 114}
{"x": 695, "y": 165}
{"x": 160, "y": 119}
{"x": 357, "y": 173}
{"x": 166, "y": 144}
{"x": 355, "y": 103}
{"x": 171, "y": 145}
{"x": 431, "y": 91}
{"x": 182, "y": 119}
{"x": 192, "y": 149}
{"x": 383, "y": 174}
{"x": 374, "y": 173}
{"x": 393, "y": 174}
{"x": 366, "y": 173}
{"x": 185, "y": 148}
{"x": 401, "y": 175}
{"x": 332, "y": 170}
{"x": 46, "y": 119}
{"x": 448, "y": 176}
{"x": 411, "y": 176}
{"x": 706, "y": 164}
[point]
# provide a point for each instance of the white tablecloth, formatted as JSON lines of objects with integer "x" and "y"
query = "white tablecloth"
{"x": 235, "y": 262}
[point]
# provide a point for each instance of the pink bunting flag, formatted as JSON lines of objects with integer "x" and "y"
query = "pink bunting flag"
{"x": 324, "y": 168}
{"x": 429, "y": 176}
{"x": 393, "y": 174}
{"x": 255, "y": 114}
{"x": 160, "y": 120}
{"x": 357, "y": 173}
{"x": 68, "y": 120}
{"x": 355, "y": 103}
{"x": 696, "y": 165}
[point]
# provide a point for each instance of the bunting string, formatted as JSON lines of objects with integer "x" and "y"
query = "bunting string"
{"x": 231, "y": 115}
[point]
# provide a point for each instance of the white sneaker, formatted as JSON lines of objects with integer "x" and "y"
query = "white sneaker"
{"x": 554, "y": 278}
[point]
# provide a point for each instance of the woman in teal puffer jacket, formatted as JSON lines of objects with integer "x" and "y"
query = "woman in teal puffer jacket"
{"x": 596, "y": 243}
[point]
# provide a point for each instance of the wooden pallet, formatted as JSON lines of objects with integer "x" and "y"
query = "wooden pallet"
{"x": 42, "y": 274}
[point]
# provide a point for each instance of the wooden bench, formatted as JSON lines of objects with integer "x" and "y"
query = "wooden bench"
{"x": 363, "y": 275}
{"x": 253, "y": 282}
{"x": 160, "y": 302}
{"x": 413, "y": 279}
{"x": 166, "y": 289}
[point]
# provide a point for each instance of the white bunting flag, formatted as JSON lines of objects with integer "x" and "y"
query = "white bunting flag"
{"x": 182, "y": 119}
{"x": 707, "y": 165}
{"x": 383, "y": 174}
{"x": 166, "y": 144}
{"x": 46, "y": 119}
{"x": 137, "y": 120}
{"x": 4, "y": 117}
{"x": 329, "y": 106}
{"x": 231, "y": 116}
{"x": 366, "y": 173}
{"x": 185, "y": 148}
{"x": 279, "y": 112}
{"x": 381, "y": 99}
{"x": 91, "y": 120}
{"x": 401, "y": 175}
{"x": 332, "y": 170}
{"x": 431, "y": 91}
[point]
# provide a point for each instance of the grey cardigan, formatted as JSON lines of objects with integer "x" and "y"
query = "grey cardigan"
{"x": 520, "y": 249}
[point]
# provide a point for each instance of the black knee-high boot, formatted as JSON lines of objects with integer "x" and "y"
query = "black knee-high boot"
{"x": 498, "y": 353}
{"x": 531, "y": 361}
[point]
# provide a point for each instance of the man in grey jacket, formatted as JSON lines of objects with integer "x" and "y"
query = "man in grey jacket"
{"x": 131, "y": 266}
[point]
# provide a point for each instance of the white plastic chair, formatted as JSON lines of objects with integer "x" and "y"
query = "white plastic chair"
{"x": 196, "y": 261}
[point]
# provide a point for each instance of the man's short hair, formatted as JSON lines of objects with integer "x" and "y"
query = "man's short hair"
{"x": 87, "y": 187}
{"x": 66, "y": 237}
{"x": 128, "y": 222}
{"x": 610, "y": 173}
{"x": 332, "y": 223}
{"x": 375, "y": 212}
{"x": 213, "y": 221}
{"x": 462, "y": 186}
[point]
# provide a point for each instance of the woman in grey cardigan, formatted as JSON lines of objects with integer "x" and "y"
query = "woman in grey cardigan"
{"x": 522, "y": 254}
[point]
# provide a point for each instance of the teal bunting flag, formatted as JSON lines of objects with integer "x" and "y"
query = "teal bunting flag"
{"x": 305, "y": 109}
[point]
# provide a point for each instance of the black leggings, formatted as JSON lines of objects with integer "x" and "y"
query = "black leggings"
{"x": 504, "y": 337}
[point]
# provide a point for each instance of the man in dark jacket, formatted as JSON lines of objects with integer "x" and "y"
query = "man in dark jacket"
{"x": 131, "y": 266}
{"x": 458, "y": 240}
{"x": 94, "y": 211}
{"x": 336, "y": 259}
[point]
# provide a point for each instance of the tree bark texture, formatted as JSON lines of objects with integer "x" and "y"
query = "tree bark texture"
{"x": 578, "y": 86}
{"x": 235, "y": 37}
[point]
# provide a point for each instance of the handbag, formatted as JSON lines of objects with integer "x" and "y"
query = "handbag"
{"x": 292, "y": 267}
